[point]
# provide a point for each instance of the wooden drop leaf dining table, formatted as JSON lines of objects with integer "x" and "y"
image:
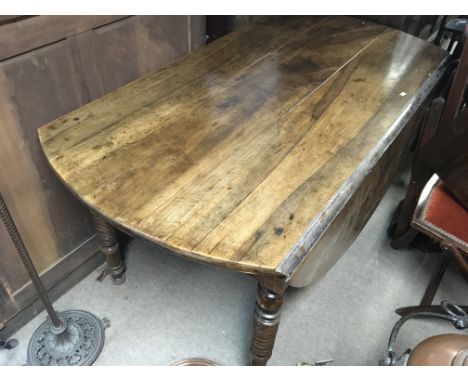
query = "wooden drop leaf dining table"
{"x": 264, "y": 152}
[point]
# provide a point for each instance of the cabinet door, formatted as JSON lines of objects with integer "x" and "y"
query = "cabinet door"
{"x": 135, "y": 46}
{"x": 77, "y": 59}
{"x": 36, "y": 88}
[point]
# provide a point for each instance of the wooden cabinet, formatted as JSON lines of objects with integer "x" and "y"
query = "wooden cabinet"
{"x": 50, "y": 65}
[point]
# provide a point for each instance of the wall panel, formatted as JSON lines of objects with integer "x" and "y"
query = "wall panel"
{"x": 50, "y": 65}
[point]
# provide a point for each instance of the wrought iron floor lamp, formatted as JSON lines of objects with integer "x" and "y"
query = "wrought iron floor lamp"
{"x": 72, "y": 337}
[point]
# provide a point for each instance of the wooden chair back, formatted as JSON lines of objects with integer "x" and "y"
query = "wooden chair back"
{"x": 443, "y": 111}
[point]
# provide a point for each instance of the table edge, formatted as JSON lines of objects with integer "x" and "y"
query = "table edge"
{"x": 327, "y": 215}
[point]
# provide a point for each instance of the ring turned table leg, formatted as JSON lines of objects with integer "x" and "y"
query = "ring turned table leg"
{"x": 109, "y": 246}
{"x": 266, "y": 323}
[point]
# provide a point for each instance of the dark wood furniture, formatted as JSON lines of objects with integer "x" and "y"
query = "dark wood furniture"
{"x": 264, "y": 152}
{"x": 446, "y": 154}
{"x": 441, "y": 113}
{"x": 441, "y": 212}
{"x": 440, "y": 216}
{"x": 442, "y": 201}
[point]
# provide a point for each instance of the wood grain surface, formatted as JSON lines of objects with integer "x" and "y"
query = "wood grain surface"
{"x": 233, "y": 155}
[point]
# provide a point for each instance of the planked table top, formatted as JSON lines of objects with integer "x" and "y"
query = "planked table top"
{"x": 231, "y": 155}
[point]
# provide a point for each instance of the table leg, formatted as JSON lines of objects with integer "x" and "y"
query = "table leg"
{"x": 109, "y": 246}
{"x": 266, "y": 322}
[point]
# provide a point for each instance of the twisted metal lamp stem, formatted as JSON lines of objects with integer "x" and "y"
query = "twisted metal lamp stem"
{"x": 28, "y": 264}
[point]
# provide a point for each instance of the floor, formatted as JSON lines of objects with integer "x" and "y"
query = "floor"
{"x": 170, "y": 309}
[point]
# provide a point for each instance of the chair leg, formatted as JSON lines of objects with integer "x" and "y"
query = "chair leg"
{"x": 435, "y": 281}
{"x": 458, "y": 258}
{"x": 404, "y": 233}
{"x": 430, "y": 291}
{"x": 451, "y": 252}
{"x": 420, "y": 174}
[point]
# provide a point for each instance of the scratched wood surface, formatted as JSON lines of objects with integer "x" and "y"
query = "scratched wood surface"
{"x": 231, "y": 155}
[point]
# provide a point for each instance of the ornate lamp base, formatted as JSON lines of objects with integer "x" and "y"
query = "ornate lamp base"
{"x": 78, "y": 343}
